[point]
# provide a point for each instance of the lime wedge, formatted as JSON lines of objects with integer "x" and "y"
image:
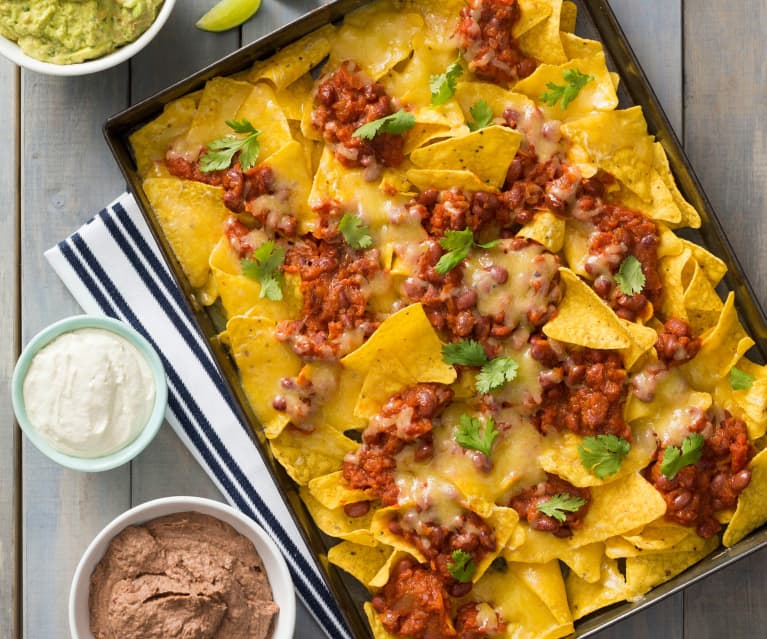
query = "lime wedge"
{"x": 228, "y": 14}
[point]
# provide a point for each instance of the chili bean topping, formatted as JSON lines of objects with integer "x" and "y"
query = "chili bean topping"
{"x": 414, "y": 603}
{"x": 697, "y": 492}
{"x": 526, "y": 504}
{"x": 478, "y": 620}
{"x": 485, "y": 36}
{"x": 345, "y": 100}
{"x": 584, "y": 389}
{"x": 406, "y": 418}
{"x": 676, "y": 344}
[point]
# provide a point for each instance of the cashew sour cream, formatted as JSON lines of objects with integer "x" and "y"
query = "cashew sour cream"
{"x": 89, "y": 392}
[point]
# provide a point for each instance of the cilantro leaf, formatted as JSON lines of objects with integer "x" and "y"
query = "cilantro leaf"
{"x": 496, "y": 373}
{"x": 221, "y": 151}
{"x": 741, "y": 380}
{"x": 566, "y": 92}
{"x": 602, "y": 455}
{"x": 442, "y": 86}
{"x": 265, "y": 269}
{"x": 557, "y": 505}
{"x": 461, "y": 566}
{"x": 469, "y": 435}
{"x": 356, "y": 234}
{"x": 674, "y": 459}
{"x": 629, "y": 277}
{"x": 467, "y": 352}
{"x": 396, "y": 123}
{"x": 458, "y": 245}
{"x": 482, "y": 114}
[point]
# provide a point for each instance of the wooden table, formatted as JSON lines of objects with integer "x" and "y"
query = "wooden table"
{"x": 706, "y": 60}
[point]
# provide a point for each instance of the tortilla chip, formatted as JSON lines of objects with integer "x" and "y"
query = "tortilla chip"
{"x": 752, "y": 506}
{"x": 376, "y": 50}
{"x": 296, "y": 97}
{"x": 674, "y": 272}
{"x": 307, "y": 455}
{"x": 337, "y": 524}
{"x": 487, "y": 153}
{"x": 150, "y": 143}
{"x": 701, "y": 302}
{"x": 542, "y": 41}
{"x": 586, "y": 561}
{"x": 443, "y": 180}
{"x": 361, "y": 562}
{"x": 376, "y": 627}
{"x": 642, "y": 338}
{"x": 661, "y": 206}
{"x": 290, "y": 63}
{"x": 713, "y": 268}
{"x": 332, "y": 491}
{"x": 602, "y": 330}
{"x": 467, "y": 94}
{"x": 660, "y": 535}
{"x": 617, "y": 142}
{"x": 569, "y": 16}
{"x": 586, "y": 597}
{"x": 531, "y": 13}
{"x": 192, "y": 215}
{"x": 597, "y": 95}
{"x": 576, "y": 246}
{"x": 546, "y": 581}
{"x": 690, "y": 216}
{"x": 263, "y": 111}
{"x": 546, "y": 229}
{"x": 576, "y": 47}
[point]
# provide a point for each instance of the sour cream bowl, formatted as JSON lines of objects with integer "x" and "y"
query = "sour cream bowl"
{"x": 13, "y": 52}
{"x": 129, "y": 444}
{"x": 275, "y": 567}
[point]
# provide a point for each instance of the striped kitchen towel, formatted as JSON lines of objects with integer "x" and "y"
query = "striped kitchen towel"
{"x": 112, "y": 267}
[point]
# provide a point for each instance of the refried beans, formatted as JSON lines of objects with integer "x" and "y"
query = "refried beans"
{"x": 184, "y": 575}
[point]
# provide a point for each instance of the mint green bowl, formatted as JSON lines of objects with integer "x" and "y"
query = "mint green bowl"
{"x": 131, "y": 449}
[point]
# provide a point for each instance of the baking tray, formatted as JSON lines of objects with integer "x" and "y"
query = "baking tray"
{"x": 595, "y": 20}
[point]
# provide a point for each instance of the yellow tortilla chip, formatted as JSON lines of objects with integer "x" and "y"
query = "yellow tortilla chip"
{"x": 596, "y": 95}
{"x": 660, "y": 535}
{"x": 376, "y": 627}
{"x": 542, "y": 42}
{"x": 296, "y": 97}
{"x": 546, "y": 581}
{"x": 262, "y": 361}
{"x": 332, "y": 491}
{"x": 263, "y": 111}
{"x": 674, "y": 272}
{"x": 617, "y": 142}
{"x": 306, "y": 455}
{"x": 337, "y": 411}
{"x": 713, "y": 268}
{"x": 586, "y": 561}
{"x": 150, "y": 143}
{"x": 376, "y": 50}
{"x": 650, "y": 569}
{"x": 546, "y": 229}
{"x": 442, "y": 180}
{"x": 586, "y": 597}
{"x": 487, "y": 153}
{"x": 701, "y": 302}
{"x": 690, "y": 216}
{"x": 569, "y": 16}
{"x": 642, "y": 338}
{"x": 602, "y": 329}
{"x": 498, "y": 99}
{"x": 290, "y": 63}
{"x": 192, "y": 215}
{"x": 576, "y": 247}
{"x": 661, "y": 206}
{"x": 337, "y": 524}
{"x": 361, "y": 562}
{"x": 531, "y": 13}
{"x": 576, "y": 47}
{"x": 752, "y": 506}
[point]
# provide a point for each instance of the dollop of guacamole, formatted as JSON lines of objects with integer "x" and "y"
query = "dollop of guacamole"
{"x": 70, "y": 31}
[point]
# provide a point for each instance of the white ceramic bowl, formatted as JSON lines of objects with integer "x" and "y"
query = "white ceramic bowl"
{"x": 274, "y": 563}
{"x": 11, "y": 51}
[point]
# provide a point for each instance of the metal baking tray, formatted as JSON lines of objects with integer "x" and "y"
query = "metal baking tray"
{"x": 595, "y": 20}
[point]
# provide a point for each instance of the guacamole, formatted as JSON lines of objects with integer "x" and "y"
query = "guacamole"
{"x": 69, "y": 31}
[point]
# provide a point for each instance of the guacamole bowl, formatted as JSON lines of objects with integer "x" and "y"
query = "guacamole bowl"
{"x": 15, "y": 54}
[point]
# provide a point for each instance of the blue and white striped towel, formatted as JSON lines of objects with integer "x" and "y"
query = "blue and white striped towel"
{"x": 112, "y": 266}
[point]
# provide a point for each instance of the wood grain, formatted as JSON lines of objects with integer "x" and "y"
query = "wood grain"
{"x": 725, "y": 94}
{"x": 9, "y": 451}
{"x": 67, "y": 174}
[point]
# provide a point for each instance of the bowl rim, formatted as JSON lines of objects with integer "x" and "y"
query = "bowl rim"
{"x": 132, "y": 448}
{"x": 275, "y": 566}
{"x": 13, "y": 52}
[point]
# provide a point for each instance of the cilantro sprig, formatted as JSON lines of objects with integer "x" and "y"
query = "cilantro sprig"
{"x": 675, "y": 459}
{"x": 630, "y": 278}
{"x": 495, "y": 372}
{"x": 221, "y": 151}
{"x": 356, "y": 234}
{"x": 575, "y": 81}
{"x": 442, "y": 86}
{"x": 265, "y": 269}
{"x": 396, "y": 123}
{"x": 461, "y": 566}
{"x": 602, "y": 455}
{"x": 458, "y": 244}
{"x": 741, "y": 380}
{"x": 482, "y": 114}
{"x": 472, "y": 435}
{"x": 560, "y": 504}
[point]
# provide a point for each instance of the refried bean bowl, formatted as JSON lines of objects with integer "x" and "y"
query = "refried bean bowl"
{"x": 274, "y": 565}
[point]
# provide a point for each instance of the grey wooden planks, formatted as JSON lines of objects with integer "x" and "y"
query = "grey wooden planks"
{"x": 9, "y": 260}
{"x": 67, "y": 174}
{"x": 724, "y": 98}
